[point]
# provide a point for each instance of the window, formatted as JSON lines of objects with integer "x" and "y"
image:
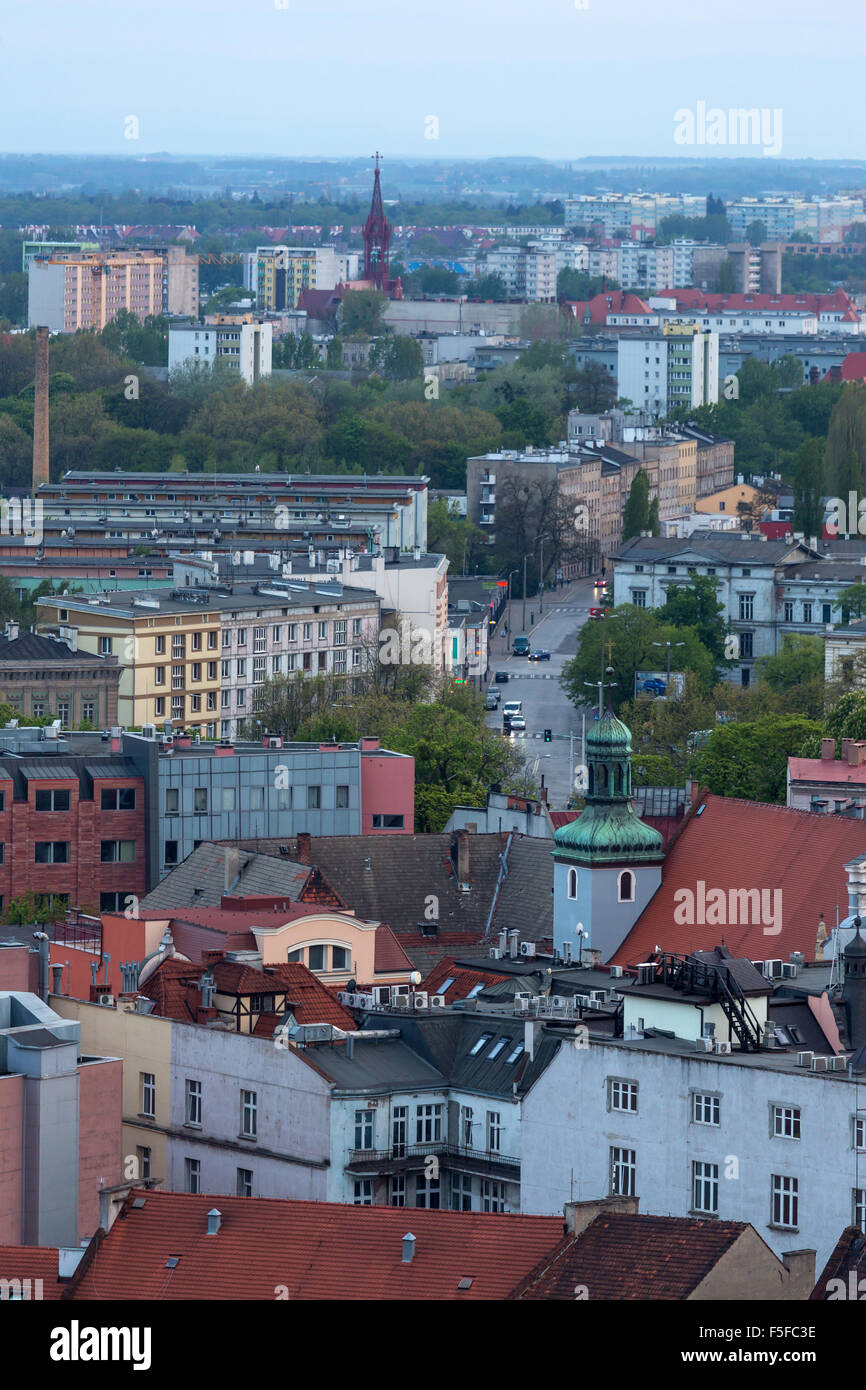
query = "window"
{"x": 170, "y": 854}
{"x": 339, "y": 633}
{"x": 363, "y": 1193}
{"x": 52, "y": 801}
{"x": 308, "y": 632}
{"x": 807, "y": 612}
{"x": 314, "y": 798}
{"x": 516, "y": 1051}
{"x": 211, "y": 670}
{"x": 387, "y": 822}
{"x": 858, "y": 1132}
{"x": 241, "y": 664}
{"x": 785, "y": 1201}
{"x": 397, "y": 1190}
{"x": 38, "y": 709}
{"x": 399, "y": 1125}
{"x": 747, "y": 608}
{"x": 257, "y": 798}
{"x": 193, "y": 1102}
{"x": 178, "y": 646}
{"x": 572, "y": 883}
{"x": 705, "y": 1187}
{"x": 51, "y": 852}
{"x": 494, "y": 1130}
{"x": 340, "y": 959}
{"x": 248, "y": 1114}
{"x": 705, "y": 1109}
{"x": 364, "y": 1129}
{"x": 747, "y": 646}
{"x": 148, "y": 1093}
{"x": 199, "y": 801}
{"x": 786, "y": 1122}
{"x": 428, "y": 1124}
{"x": 192, "y": 1175}
{"x": 159, "y": 675}
{"x": 323, "y": 632}
{"x": 316, "y": 958}
{"x": 118, "y": 798}
{"x": 242, "y": 637}
{"x": 625, "y": 886}
{"x": 260, "y": 635}
{"x": 461, "y": 1192}
{"x": 241, "y": 698}
{"x": 159, "y": 706}
{"x": 245, "y": 1182}
{"x": 492, "y": 1195}
{"x": 466, "y": 1126}
{"x": 196, "y": 641}
{"x": 211, "y": 703}
{"x": 356, "y": 627}
{"x": 427, "y": 1193}
{"x": 276, "y": 635}
{"x": 196, "y": 670}
{"x": 144, "y": 1156}
{"x": 788, "y": 612}
{"x": 177, "y": 707}
{"x": 172, "y": 801}
{"x": 342, "y": 798}
{"x": 117, "y": 852}
{"x": 638, "y": 598}
{"x": 177, "y": 678}
{"x": 63, "y": 712}
{"x": 227, "y": 638}
{"x": 622, "y": 1172}
{"x": 622, "y": 1095}
{"x": 482, "y": 1042}
{"x": 292, "y": 632}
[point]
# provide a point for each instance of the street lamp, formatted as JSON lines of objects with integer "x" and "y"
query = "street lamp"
{"x": 669, "y": 645}
{"x": 541, "y": 539}
{"x": 510, "y": 623}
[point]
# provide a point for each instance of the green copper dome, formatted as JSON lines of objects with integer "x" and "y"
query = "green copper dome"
{"x": 608, "y": 831}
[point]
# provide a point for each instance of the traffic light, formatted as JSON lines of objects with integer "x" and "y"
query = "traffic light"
{"x": 547, "y": 736}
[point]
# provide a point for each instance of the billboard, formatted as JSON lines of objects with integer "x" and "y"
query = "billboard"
{"x": 660, "y": 685}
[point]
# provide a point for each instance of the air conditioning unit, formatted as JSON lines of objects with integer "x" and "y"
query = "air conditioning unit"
{"x": 820, "y": 1063}
{"x": 721, "y": 1049}
{"x": 557, "y": 1001}
{"x": 275, "y": 743}
{"x": 789, "y": 971}
{"x": 521, "y": 1003}
{"x": 646, "y": 972}
{"x": 597, "y": 995}
{"x": 494, "y": 953}
{"x": 382, "y": 994}
{"x": 582, "y": 1000}
{"x": 704, "y": 1045}
{"x": 419, "y": 1000}
{"x": 593, "y": 1003}
{"x": 352, "y": 1000}
{"x": 838, "y": 1064}
{"x": 365, "y": 1001}
{"x": 438, "y": 1001}
{"x": 343, "y": 996}
{"x": 400, "y": 1002}
{"x": 773, "y": 969}
{"x": 107, "y": 999}
{"x": 527, "y": 948}
{"x": 804, "y": 1059}
{"x": 616, "y": 972}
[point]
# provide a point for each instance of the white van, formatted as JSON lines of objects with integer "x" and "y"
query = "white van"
{"x": 513, "y": 707}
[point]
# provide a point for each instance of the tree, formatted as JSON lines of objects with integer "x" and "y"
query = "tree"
{"x": 631, "y": 636}
{"x": 808, "y": 489}
{"x": 486, "y": 287}
{"x": 635, "y": 515}
{"x": 334, "y": 358}
{"x": 397, "y": 358}
{"x": 756, "y": 232}
{"x": 447, "y": 533}
{"x": 751, "y": 760}
{"x": 541, "y": 321}
{"x": 594, "y": 389}
{"x": 726, "y": 282}
{"x": 696, "y": 605}
{"x": 361, "y": 313}
{"x": 799, "y": 667}
{"x": 852, "y": 601}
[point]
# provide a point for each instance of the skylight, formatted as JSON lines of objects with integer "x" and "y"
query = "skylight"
{"x": 514, "y": 1053}
{"x": 476, "y": 989}
{"x": 497, "y": 1048}
{"x": 482, "y": 1042}
{"x": 444, "y": 988}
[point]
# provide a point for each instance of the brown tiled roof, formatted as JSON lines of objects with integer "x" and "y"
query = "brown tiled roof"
{"x": 175, "y": 989}
{"x": 849, "y": 1255}
{"x": 312, "y": 1250}
{"x": 390, "y": 955}
{"x": 308, "y": 997}
{"x": 622, "y": 1255}
{"x": 33, "y": 1262}
{"x": 464, "y": 979}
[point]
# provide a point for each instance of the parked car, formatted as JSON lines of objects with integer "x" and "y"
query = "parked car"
{"x": 654, "y": 686}
{"x": 501, "y": 677}
{"x": 517, "y": 722}
{"x": 492, "y": 701}
{"x": 539, "y": 656}
{"x": 494, "y": 694}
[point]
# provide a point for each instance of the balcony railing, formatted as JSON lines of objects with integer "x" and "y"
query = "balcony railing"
{"x": 411, "y": 1156}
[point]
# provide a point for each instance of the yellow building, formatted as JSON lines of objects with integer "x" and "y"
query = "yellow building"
{"x": 281, "y": 273}
{"x": 728, "y": 500}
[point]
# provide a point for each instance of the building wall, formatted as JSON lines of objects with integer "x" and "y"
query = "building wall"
{"x": 387, "y": 788}
{"x": 567, "y": 1133}
{"x": 597, "y": 907}
{"x": 11, "y": 1159}
{"x": 100, "y": 1136}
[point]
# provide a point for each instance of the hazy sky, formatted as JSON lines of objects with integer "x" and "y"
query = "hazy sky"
{"x": 339, "y": 77}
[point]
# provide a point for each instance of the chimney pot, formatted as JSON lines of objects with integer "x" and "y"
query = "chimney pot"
{"x": 408, "y": 1249}
{"x": 828, "y": 749}
{"x": 214, "y": 1221}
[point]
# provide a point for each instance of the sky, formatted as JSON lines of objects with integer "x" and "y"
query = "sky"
{"x": 557, "y": 79}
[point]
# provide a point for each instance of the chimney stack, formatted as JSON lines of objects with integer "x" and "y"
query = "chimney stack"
{"x": 828, "y": 749}
{"x": 462, "y": 855}
{"x": 214, "y": 1221}
{"x": 304, "y": 847}
{"x": 513, "y": 937}
{"x": 408, "y": 1249}
{"x": 40, "y": 411}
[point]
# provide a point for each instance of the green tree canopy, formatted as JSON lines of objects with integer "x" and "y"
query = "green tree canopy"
{"x": 751, "y": 760}
{"x": 630, "y": 636}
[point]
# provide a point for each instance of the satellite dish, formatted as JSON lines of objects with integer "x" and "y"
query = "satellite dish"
{"x": 352, "y": 987}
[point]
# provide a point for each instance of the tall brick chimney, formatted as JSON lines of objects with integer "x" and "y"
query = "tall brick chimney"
{"x": 40, "y": 411}
{"x": 304, "y": 847}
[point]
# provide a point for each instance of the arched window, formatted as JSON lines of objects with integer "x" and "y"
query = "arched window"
{"x": 572, "y": 883}
{"x": 618, "y": 779}
{"x": 625, "y": 885}
{"x": 591, "y": 780}
{"x": 602, "y": 778}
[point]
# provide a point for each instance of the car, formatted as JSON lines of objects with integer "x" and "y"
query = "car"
{"x": 520, "y": 646}
{"x": 513, "y": 707}
{"x": 654, "y": 686}
{"x": 492, "y": 702}
{"x": 539, "y": 656}
{"x": 501, "y": 677}
{"x": 494, "y": 694}
{"x": 517, "y": 721}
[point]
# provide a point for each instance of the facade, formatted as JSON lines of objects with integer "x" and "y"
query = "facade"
{"x": 86, "y": 290}
{"x": 196, "y": 656}
{"x": 678, "y": 368}
{"x": 825, "y": 219}
{"x": 278, "y": 275}
{"x": 526, "y": 273}
{"x": 632, "y": 214}
{"x": 245, "y": 346}
{"x": 42, "y": 676}
{"x": 60, "y": 1135}
{"x": 829, "y": 784}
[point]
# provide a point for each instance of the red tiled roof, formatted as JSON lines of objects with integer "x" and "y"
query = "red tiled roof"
{"x": 313, "y": 1001}
{"x": 33, "y": 1262}
{"x": 808, "y": 302}
{"x": 175, "y": 989}
{"x": 826, "y": 769}
{"x": 389, "y": 954}
{"x": 608, "y": 302}
{"x": 848, "y": 1257}
{"x": 313, "y": 1250}
{"x": 853, "y": 368}
{"x": 622, "y": 1255}
{"x": 464, "y": 979}
{"x": 747, "y": 844}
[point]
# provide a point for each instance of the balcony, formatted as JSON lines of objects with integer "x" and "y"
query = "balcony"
{"x": 410, "y": 1158}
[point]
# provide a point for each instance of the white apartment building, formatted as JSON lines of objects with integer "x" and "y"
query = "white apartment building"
{"x": 631, "y": 214}
{"x": 660, "y": 371}
{"x": 826, "y": 219}
{"x": 526, "y": 274}
{"x": 247, "y": 347}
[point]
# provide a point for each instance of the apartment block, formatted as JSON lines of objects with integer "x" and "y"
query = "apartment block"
{"x": 42, "y": 676}
{"x": 86, "y": 290}
{"x": 243, "y": 345}
{"x": 660, "y": 372}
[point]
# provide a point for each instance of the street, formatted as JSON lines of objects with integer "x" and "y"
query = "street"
{"x": 536, "y": 683}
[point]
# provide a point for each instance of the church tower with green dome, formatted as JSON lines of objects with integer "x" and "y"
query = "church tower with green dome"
{"x": 607, "y": 863}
